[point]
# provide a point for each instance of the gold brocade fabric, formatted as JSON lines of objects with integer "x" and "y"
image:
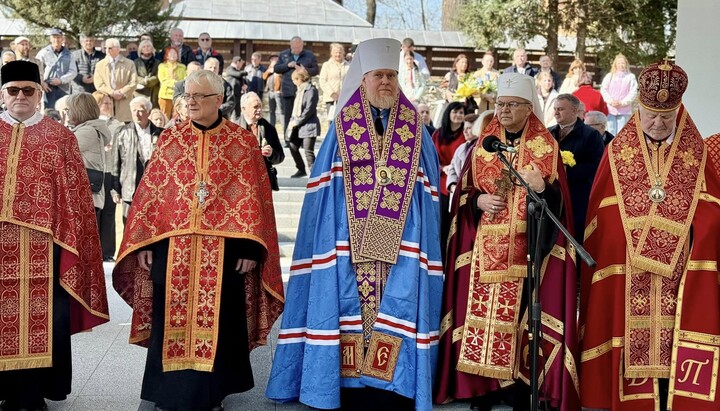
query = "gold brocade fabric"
{"x": 200, "y": 188}
{"x": 657, "y": 234}
{"x": 25, "y": 293}
{"x": 491, "y": 334}
{"x": 371, "y": 280}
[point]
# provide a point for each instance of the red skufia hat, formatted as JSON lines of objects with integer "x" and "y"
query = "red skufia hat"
{"x": 662, "y": 86}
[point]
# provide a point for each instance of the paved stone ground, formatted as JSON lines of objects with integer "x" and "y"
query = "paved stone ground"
{"x": 107, "y": 371}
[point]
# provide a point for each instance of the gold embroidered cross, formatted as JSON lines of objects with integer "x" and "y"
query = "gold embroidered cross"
{"x": 363, "y": 199}
{"x": 404, "y": 133}
{"x": 400, "y": 153}
{"x": 356, "y": 131}
{"x": 503, "y": 184}
{"x": 362, "y": 175}
{"x": 351, "y": 112}
{"x": 398, "y": 176}
{"x": 359, "y": 151}
{"x": 391, "y": 200}
{"x": 406, "y": 114}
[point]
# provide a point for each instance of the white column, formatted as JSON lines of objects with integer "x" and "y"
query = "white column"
{"x": 698, "y": 53}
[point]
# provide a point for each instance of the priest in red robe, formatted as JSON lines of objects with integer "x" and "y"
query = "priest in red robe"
{"x": 650, "y": 309}
{"x": 199, "y": 261}
{"x": 484, "y": 349}
{"x": 52, "y": 282}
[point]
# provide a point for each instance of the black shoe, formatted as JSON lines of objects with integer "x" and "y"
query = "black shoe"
{"x": 300, "y": 173}
{"x": 109, "y": 260}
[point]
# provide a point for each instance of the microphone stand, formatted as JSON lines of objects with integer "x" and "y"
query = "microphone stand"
{"x": 538, "y": 208}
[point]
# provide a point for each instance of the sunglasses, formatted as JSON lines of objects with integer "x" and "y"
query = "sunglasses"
{"x": 27, "y": 91}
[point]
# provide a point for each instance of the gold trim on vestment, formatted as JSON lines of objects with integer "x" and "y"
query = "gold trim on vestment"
{"x": 463, "y": 259}
{"x": 13, "y": 158}
{"x": 590, "y": 228}
{"x": 382, "y": 355}
{"x": 446, "y": 323}
{"x": 639, "y": 256}
{"x": 701, "y": 265}
{"x": 608, "y": 201}
{"x": 615, "y": 269}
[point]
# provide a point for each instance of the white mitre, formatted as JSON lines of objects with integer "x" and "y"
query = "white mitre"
{"x": 373, "y": 54}
{"x": 520, "y": 85}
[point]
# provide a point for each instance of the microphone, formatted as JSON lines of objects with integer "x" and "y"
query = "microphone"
{"x": 492, "y": 144}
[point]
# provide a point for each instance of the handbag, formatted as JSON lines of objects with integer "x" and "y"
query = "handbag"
{"x": 96, "y": 177}
{"x": 96, "y": 180}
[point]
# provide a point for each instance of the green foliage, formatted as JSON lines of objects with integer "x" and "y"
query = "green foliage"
{"x": 643, "y": 30}
{"x": 96, "y": 17}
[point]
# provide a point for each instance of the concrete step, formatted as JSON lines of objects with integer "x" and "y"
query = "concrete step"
{"x": 289, "y": 194}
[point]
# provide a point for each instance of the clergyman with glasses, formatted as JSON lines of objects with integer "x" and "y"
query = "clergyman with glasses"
{"x": 199, "y": 262}
{"x": 483, "y": 339}
{"x": 52, "y": 282}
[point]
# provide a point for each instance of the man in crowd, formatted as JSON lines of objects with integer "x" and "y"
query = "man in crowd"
{"x": 649, "y": 340}
{"x": 180, "y": 85}
{"x": 288, "y": 60}
{"x": 586, "y": 145}
{"x": 521, "y": 64}
{"x": 235, "y": 76}
{"x": 116, "y": 76}
{"x": 424, "y": 111}
{"x": 220, "y": 234}
{"x": 273, "y": 82}
{"x": 484, "y": 342}
{"x": 132, "y": 147}
{"x": 86, "y": 59}
{"x": 370, "y": 317}
{"x": 546, "y": 63}
{"x": 21, "y": 46}
{"x": 255, "y": 70}
{"x": 205, "y": 51}
{"x": 60, "y": 68}
{"x": 228, "y": 103}
{"x": 598, "y": 121}
{"x": 408, "y": 44}
{"x": 177, "y": 40}
{"x": 266, "y": 134}
{"x": 51, "y": 273}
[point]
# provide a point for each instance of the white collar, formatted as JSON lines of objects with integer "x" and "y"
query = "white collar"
{"x": 34, "y": 119}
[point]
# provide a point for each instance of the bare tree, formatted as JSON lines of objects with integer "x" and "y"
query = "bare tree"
{"x": 371, "y": 10}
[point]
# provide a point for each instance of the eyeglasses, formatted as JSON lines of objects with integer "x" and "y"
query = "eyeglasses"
{"x": 196, "y": 97}
{"x": 511, "y": 105}
{"x": 27, "y": 91}
{"x": 204, "y": 39}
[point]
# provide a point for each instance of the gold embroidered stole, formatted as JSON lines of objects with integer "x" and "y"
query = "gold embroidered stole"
{"x": 26, "y": 294}
{"x": 657, "y": 235}
{"x": 498, "y": 265}
{"x": 379, "y": 175}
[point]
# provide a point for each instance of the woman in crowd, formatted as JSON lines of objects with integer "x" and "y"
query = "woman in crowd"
{"x": 619, "y": 89}
{"x": 147, "y": 72}
{"x": 488, "y": 73}
{"x": 180, "y": 110}
{"x": 158, "y": 118}
{"x": 472, "y": 128}
{"x": 332, "y": 75}
{"x": 572, "y": 80}
{"x": 447, "y": 139}
{"x": 460, "y": 69}
{"x": 169, "y": 72}
{"x": 105, "y": 102}
{"x": 304, "y": 125}
{"x": 411, "y": 80}
{"x": 547, "y": 95}
{"x": 92, "y": 133}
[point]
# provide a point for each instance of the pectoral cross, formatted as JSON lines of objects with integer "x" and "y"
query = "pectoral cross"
{"x": 202, "y": 193}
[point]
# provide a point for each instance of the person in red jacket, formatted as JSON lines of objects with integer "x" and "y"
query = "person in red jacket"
{"x": 447, "y": 139}
{"x": 592, "y": 98}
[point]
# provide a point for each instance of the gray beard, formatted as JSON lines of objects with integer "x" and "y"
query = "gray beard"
{"x": 381, "y": 102}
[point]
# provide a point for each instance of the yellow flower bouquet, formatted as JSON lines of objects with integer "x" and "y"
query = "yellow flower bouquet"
{"x": 568, "y": 158}
{"x": 474, "y": 85}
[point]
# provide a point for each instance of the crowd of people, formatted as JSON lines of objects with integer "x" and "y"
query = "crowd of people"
{"x": 410, "y": 274}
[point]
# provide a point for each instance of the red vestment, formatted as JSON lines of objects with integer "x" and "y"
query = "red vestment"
{"x": 483, "y": 333}
{"x": 650, "y": 309}
{"x": 45, "y": 200}
{"x": 592, "y": 99}
{"x": 446, "y": 151}
{"x": 200, "y": 187}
